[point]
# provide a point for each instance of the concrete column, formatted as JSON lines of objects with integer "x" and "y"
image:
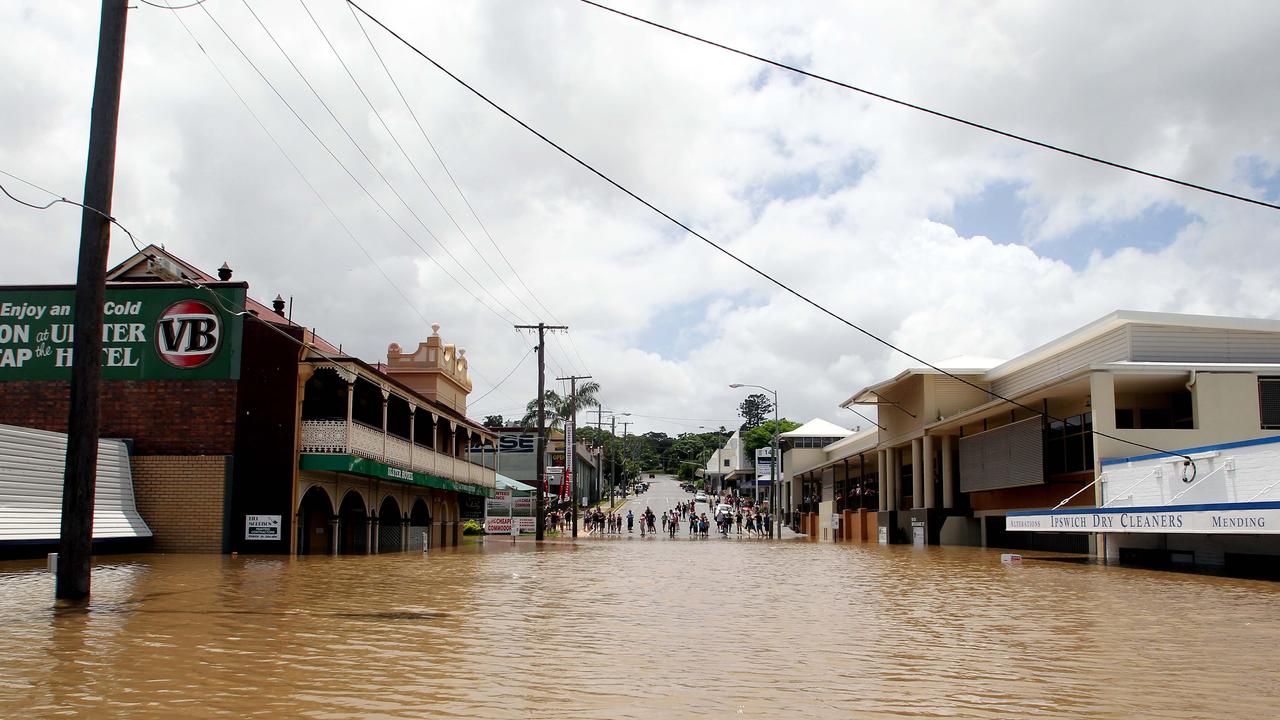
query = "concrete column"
{"x": 926, "y": 472}
{"x": 374, "y": 522}
{"x": 888, "y": 480}
{"x": 948, "y": 474}
{"x": 368, "y": 535}
{"x": 882, "y": 475}
{"x": 333, "y": 535}
{"x": 413, "y": 444}
{"x": 895, "y": 478}
{"x": 385, "y": 395}
{"x": 404, "y": 534}
{"x": 917, "y": 474}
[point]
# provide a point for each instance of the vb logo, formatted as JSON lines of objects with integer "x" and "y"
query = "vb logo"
{"x": 187, "y": 334}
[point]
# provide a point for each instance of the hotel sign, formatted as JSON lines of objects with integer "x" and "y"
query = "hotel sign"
{"x": 1220, "y": 519}
{"x": 148, "y": 333}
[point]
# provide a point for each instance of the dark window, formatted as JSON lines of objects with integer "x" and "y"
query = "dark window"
{"x": 1068, "y": 446}
{"x": 1269, "y": 402}
{"x": 1157, "y": 411}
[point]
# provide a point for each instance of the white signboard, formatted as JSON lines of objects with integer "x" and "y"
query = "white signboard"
{"x": 497, "y": 525}
{"x": 1221, "y": 520}
{"x": 261, "y": 527}
{"x": 525, "y": 524}
{"x": 522, "y": 505}
{"x": 499, "y": 504}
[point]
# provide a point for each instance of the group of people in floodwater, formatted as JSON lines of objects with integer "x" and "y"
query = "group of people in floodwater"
{"x": 729, "y": 514}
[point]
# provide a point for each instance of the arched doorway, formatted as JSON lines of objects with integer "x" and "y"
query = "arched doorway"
{"x": 389, "y": 525}
{"x": 315, "y": 516}
{"x": 419, "y": 524}
{"x": 353, "y": 520}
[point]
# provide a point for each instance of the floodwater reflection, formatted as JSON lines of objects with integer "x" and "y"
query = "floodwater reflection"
{"x": 630, "y": 628}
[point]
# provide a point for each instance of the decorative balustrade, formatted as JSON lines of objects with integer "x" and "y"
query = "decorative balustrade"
{"x": 340, "y": 437}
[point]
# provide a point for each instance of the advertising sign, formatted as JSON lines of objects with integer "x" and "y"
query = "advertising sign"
{"x": 522, "y": 506}
{"x": 497, "y": 525}
{"x": 471, "y": 507}
{"x": 521, "y": 443}
{"x": 499, "y": 504}
{"x": 567, "y": 486}
{"x": 148, "y": 333}
{"x": 525, "y": 524}
{"x": 1261, "y": 518}
{"x": 262, "y": 527}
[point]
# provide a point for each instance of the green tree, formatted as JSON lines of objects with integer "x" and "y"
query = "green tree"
{"x": 762, "y": 435}
{"x": 754, "y": 409}
{"x": 550, "y": 400}
{"x": 494, "y": 421}
{"x": 560, "y": 408}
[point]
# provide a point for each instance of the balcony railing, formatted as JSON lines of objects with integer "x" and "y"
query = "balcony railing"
{"x": 340, "y": 437}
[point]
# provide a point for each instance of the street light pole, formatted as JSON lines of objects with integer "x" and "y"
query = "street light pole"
{"x": 773, "y": 461}
{"x": 773, "y": 468}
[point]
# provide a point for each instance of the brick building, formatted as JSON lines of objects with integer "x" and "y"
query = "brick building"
{"x": 234, "y": 441}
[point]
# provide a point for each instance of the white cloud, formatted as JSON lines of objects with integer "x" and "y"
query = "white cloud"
{"x": 829, "y": 191}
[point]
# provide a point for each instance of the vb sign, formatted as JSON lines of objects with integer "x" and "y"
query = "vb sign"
{"x": 187, "y": 334}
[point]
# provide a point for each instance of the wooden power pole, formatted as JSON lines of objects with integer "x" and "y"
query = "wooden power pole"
{"x": 75, "y": 552}
{"x": 540, "y": 520}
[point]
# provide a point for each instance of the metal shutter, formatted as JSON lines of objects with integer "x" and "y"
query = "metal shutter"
{"x": 1009, "y": 456}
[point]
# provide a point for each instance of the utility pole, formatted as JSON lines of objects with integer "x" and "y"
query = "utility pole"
{"x": 570, "y": 425}
{"x": 613, "y": 459}
{"x": 75, "y": 551}
{"x": 540, "y": 521}
{"x": 624, "y": 450}
{"x": 600, "y": 465}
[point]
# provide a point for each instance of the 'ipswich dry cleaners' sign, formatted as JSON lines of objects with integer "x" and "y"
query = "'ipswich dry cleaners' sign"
{"x": 148, "y": 333}
{"x": 1262, "y": 518}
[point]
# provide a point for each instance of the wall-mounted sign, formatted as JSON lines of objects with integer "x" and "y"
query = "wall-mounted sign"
{"x": 471, "y": 507}
{"x": 1262, "y": 518}
{"x": 148, "y": 333}
{"x": 523, "y": 443}
{"x": 261, "y": 527}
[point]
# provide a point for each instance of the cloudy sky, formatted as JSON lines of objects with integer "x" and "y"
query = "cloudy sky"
{"x": 941, "y": 238}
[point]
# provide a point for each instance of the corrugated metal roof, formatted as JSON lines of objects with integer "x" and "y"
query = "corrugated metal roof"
{"x": 31, "y": 466}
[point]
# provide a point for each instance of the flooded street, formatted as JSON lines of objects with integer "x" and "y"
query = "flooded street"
{"x": 631, "y": 628}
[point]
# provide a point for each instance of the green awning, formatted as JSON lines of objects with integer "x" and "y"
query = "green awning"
{"x": 372, "y": 468}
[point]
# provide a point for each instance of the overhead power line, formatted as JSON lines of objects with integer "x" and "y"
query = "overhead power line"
{"x": 377, "y": 170}
{"x": 404, "y": 231}
{"x": 59, "y": 199}
{"x": 935, "y": 113}
{"x": 725, "y": 251}
{"x": 336, "y": 217}
{"x": 473, "y": 403}
{"x": 458, "y": 188}
{"x": 409, "y": 159}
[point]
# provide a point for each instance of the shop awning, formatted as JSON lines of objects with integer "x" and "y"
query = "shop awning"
{"x": 374, "y": 469}
{"x": 31, "y": 467}
{"x": 505, "y": 483}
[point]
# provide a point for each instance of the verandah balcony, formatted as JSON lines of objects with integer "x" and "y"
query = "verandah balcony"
{"x": 340, "y": 437}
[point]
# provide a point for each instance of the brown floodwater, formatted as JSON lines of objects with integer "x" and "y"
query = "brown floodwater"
{"x": 637, "y": 628}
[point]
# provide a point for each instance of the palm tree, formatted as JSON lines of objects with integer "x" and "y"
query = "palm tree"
{"x": 585, "y": 397}
{"x": 551, "y": 399}
{"x": 560, "y": 408}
